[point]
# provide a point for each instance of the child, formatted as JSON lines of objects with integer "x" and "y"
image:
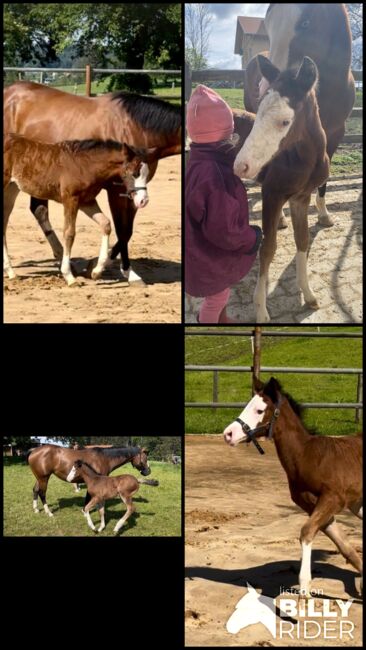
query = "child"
{"x": 221, "y": 246}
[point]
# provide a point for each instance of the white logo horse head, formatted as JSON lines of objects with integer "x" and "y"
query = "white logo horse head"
{"x": 253, "y": 608}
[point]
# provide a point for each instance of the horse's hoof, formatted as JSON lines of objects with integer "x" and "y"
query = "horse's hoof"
{"x": 140, "y": 284}
{"x": 313, "y": 304}
{"x": 95, "y": 275}
{"x": 325, "y": 221}
{"x": 71, "y": 282}
{"x": 36, "y": 511}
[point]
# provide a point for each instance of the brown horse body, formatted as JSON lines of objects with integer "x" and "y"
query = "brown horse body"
{"x": 71, "y": 173}
{"x": 324, "y": 473}
{"x": 51, "y": 459}
{"x": 102, "y": 488}
{"x": 49, "y": 115}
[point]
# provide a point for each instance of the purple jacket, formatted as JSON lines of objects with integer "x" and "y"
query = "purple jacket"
{"x": 220, "y": 246}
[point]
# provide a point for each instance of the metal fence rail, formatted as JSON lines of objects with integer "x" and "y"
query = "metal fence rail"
{"x": 199, "y": 331}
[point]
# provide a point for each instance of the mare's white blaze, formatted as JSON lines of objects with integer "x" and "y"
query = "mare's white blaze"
{"x": 305, "y": 571}
{"x": 272, "y": 123}
{"x": 35, "y": 505}
{"x": 71, "y": 474}
{"x": 130, "y": 274}
{"x": 252, "y": 415}
{"x": 47, "y": 510}
{"x": 280, "y": 24}
{"x": 141, "y": 198}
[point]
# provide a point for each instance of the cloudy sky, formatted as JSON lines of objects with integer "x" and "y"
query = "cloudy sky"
{"x": 222, "y": 38}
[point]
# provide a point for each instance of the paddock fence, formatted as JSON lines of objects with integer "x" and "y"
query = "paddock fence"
{"x": 73, "y": 77}
{"x": 236, "y": 76}
{"x": 256, "y": 368}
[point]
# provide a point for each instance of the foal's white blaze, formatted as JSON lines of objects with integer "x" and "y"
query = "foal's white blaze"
{"x": 272, "y": 123}
{"x": 141, "y": 198}
{"x": 252, "y": 415}
{"x": 305, "y": 571}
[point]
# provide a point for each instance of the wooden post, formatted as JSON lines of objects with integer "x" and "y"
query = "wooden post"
{"x": 256, "y": 368}
{"x": 88, "y": 80}
{"x": 215, "y": 388}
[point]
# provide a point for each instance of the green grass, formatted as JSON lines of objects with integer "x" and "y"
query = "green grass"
{"x": 291, "y": 352}
{"x": 100, "y": 87}
{"x": 158, "y": 508}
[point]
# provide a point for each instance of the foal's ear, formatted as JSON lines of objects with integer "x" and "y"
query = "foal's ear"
{"x": 257, "y": 384}
{"x": 267, "y": 69}
{"x": 272, "y": 390}
{"x": 307, "y": 75}
{"x": 144, "y": 451}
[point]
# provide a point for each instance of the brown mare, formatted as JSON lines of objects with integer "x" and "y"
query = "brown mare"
{"x": 322, "y": 32}
{"x": 324, "y": 473}
{"x": 101, "y": 488}
{"x": 51, "y": 459}
{"x": 43, "y": 113}
{"x": 72, "y": 173}
{"x": 286, "y": 152}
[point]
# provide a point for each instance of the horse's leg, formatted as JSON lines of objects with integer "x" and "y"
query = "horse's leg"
{"x": 102, "y": 518}
{"x": 93, "y": 211}
{"x": 11, "y": 192}
{"x": 92, "y": 504}
{"x": 77, "y": 487}
{"x": 70, "y": 212}
{"x": 324, "y": 218}
{"x": 326, "y": 506}
{"x": 272, "y": 206}
{"x": 130, "y": 509}
{"x": 35, "y": 497}
{"x": 123, "y": 213}
{"x": 86, "y": 501}
{"x": 42, "y": 489}
{"x": 39, "y": 208}
{"x": 334, "y": 533}
{"x": 299, "y": 217}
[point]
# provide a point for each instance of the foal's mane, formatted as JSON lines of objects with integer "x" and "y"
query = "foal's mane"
{"x": 296, "y": 407}
{"x": 149, "y": 112}
{"x": 76, "y": 146}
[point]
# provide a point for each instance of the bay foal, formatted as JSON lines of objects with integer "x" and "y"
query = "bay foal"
{"x": 72, "y": 173}
{"x": 324, "y": 473}
{"x": 101, "y": 488}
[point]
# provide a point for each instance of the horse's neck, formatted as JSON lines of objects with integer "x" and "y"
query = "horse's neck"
{"x": 311, "y": 143}
{"x": 122, "y": 459}
{"x": 290, "y": 437}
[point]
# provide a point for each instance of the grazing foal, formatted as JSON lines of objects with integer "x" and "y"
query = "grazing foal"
{"x": 286, "y": 152}
{"x": 324, "y": 473}
{"x": 72, "y": 173}
{"x": 107, "y": 487}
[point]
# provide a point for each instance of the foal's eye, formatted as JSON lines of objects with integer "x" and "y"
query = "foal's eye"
{"x": 305, "y": 24}
{"x": 285, "y": 122}
{"x": 260, "y": 412}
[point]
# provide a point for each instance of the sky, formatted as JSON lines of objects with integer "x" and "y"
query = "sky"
{"x": 50, "y": 440}
{"x": 223, "y": 29}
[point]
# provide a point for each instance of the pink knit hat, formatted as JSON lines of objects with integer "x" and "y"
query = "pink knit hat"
{"x": 209, "y": 118}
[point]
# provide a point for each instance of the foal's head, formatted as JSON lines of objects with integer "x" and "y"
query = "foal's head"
{"x": 75, "y": 471}
{"x": 258, "y": 412}
{"x": 140, "y": 462}
{"x": 279, "y": 120}
{"x": 137, "y": 167}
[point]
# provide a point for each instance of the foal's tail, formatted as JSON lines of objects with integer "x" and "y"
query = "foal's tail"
{"x": 147, "y": 481}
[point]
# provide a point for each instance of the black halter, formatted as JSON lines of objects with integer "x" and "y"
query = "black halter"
{"x": 251, "y": 433}
{"x": 129, "y": 194}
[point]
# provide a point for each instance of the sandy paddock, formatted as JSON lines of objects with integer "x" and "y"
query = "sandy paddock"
{"x": 241, "y": 526}
{"x": 40, "y": 294}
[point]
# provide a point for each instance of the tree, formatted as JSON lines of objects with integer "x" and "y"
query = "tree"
{"x": 355, "y": 19}
{"x": 197, "y": 24}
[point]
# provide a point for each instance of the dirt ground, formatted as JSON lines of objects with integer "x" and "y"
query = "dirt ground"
{"x": 40, "y": 294}
{"x": 334, "y": 264}
{"x": 241, "y": 526}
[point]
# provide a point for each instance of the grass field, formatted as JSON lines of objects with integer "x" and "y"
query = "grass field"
{"x": 290, "y": 352}
{"x": 158, "y": 508}
{"x": 347, "y": 160}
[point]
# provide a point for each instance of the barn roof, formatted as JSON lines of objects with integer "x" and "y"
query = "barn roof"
{"x": 252, "y": 25}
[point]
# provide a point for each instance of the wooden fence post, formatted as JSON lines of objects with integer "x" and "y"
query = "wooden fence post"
{"x": 256, "y": 356}
{"x": 88, "y": 80}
